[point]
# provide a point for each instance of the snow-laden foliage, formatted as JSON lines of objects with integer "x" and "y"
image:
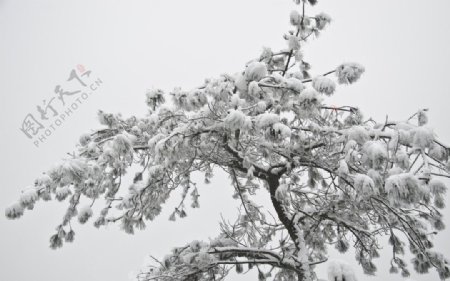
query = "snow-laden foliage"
{"x": 340, "y": 271}
{"x": 324, "y": 85}
{"x": 349, "y": 73}
{"x": 333, "y": 176}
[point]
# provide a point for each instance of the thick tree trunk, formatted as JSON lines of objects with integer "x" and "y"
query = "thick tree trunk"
{"x": 274, "y": 183}
{"x": 281, "y": 212}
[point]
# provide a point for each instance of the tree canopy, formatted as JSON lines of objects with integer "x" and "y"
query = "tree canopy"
{"x": 334, "y": 178}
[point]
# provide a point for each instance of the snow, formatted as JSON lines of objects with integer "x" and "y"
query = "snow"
{"x": 28, "y": 197}
{"x": 155, "y": 97}
{"x": 343, "y": 168}
{"x": 14, "y": 211}
{"x": 402, "y": 159}
{"x": 196, "y": 99}
{"x": 438, "y": 152}
{"x": 254, "y": 89}
{"x": 255, "y": 71}
{"x": 153, "y": 119}
{"x": 322, "y": 20}
{"x": 283, "y": 130}
{"x": 281, "y": 193}
{"x": 236, "y": 102}
{"x": 241, "y": 83}
{"x": 62, "y": 192}
{"x": 69, "y": 170}
{"x": 376, "y": 177}
{"x": 324, "y": 85}
{"x": 395, "y": 171}
{"x": 423, "y": 137}
{"x": 422, "y": 117}
{"x": 223, "y": 242}
{"x": 349, "y": 73}
{"x": 358, "y": 134}
{"x": 437, "y": 187}
{"x": 364, "y": 185}
{"x": 84, "y": 214}
{"x": 203, "y": 260}
{"x": 43, "y": 180}
{"x": 250, "y": 171}
{"x": 309, "y": 101}
{"x": 350, "y": 145}
{"x": 309, "y": 95}
{"x": 375, "y": 153}
{"x": 266, "y": 55}
{"x": 277, "y": 77}
{"x": 85, "y": 139}
{"x": 293, "y": 43}
{"x": 123, "y": 143}
{"x": 403, "y": 189}
{"x": 155, "y": 93}
{"x": 340, "y": 271}
{"x": 236, "y": 119}
{"x": 70, "y": 236}
{"x": 107, "y": 119}
{"x": 155, "y": 139}
{"x": 135, "y": 130}
{"x": 267, "y": 119}
{"x": 295, "y": 18}
{"x": 393, "y": 142}
{"x": 261, "y": 106}
{"x": 404, "y": 136}
{"x": 294, "y": 84}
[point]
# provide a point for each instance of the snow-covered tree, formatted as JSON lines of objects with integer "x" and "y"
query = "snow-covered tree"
{"x": 334, "y": 178}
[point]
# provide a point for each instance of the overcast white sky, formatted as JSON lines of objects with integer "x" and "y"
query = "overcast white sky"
{"x": 136, "y": 45}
